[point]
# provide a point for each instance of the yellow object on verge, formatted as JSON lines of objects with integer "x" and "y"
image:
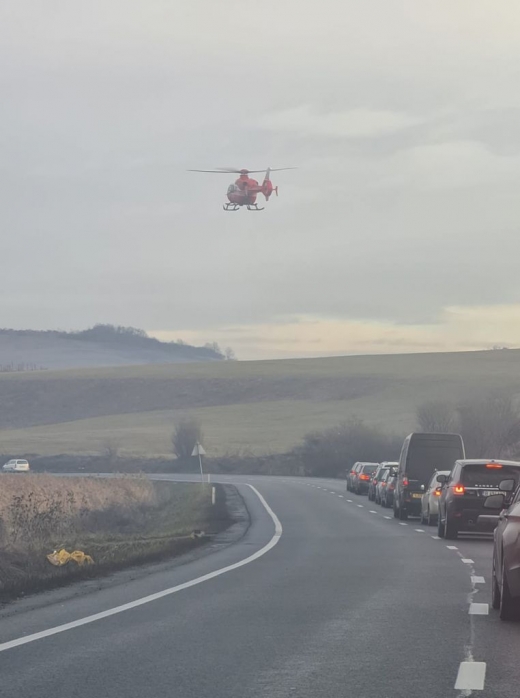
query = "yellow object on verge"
{"x": 61, "y": 557}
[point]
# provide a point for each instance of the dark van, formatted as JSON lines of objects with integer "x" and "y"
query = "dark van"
{"x": 421, "y": 455}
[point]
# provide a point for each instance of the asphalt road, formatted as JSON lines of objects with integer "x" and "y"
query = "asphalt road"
{"x": 345, "y": 602}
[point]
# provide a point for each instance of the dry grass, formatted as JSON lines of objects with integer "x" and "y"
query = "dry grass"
{"x": 117, "y": 521}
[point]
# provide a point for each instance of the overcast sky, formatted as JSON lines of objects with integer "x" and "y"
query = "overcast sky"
{"x": 399, "y": 231}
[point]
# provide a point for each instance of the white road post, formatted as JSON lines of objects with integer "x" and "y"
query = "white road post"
{"x": 199, "y": 451}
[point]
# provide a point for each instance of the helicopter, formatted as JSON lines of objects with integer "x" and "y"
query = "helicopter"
{"x": 245, "y": 190}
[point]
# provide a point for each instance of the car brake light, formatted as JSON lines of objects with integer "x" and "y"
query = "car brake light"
{"x": 496, "y": 466}
{"x": 437, "y": 492}
{"x": 406, "y": 482}
{"x": 374, "y": 481}
{"x": 459, "y": 489}
{"x": 364, "y": 477}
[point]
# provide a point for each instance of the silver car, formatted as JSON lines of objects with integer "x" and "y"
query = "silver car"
{"x": 430, "y": 499}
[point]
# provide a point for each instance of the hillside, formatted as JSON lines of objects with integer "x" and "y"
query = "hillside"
{"x": 102, "y": 345}
{"x": 250, "y": 407}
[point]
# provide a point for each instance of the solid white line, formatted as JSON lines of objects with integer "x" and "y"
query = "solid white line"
{"x": 478, "y": 609}
{"x": 471, "y": 676}
{"x": 160, "y": 594}
{"x": 452, "y": 547}
{"x": 467, "y": 561}
{"x": 420, "y": 530}
{"x": 402, "y": 523}
{"x": 436, "y": 538}
{"x": 478, "y": 580}
{"x": 388, "y": 517}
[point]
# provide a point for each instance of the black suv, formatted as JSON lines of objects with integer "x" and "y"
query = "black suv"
{"x": 465, "y": 491}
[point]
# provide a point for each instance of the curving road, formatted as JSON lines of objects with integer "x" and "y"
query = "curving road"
{"x": 343, "y": 601}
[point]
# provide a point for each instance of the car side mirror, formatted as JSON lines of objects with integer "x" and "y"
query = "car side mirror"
{"x": 507, "y": 485}
{"x": 442, "y": 479}
{"x": 494, "y": 501}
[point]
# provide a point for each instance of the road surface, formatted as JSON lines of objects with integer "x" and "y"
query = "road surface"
{"x": 343, "y": 601}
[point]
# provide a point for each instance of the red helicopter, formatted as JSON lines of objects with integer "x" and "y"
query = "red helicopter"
{"x": 245, "y": 190}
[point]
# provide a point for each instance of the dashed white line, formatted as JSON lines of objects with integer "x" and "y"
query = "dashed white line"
{"x": 420, "y": 530}
{"x": 402, "y": 523}
{"x": 471, "y": 676}
{"x": 452, "y": 547}
{"x": 467, "y": 561}
{"x": 349, "y": 500}
{"x": 477, "y": 580}
{"x": 372, "y": 511}
{"x": 340, "y": 496}
{"x": 361, "y": 506}
{"x": 388, "y": 517}
{"x": 478, "y": 609}
{"x": 436, "y": 538}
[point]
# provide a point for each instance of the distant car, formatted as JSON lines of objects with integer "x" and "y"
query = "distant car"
{"x": 388, "y": 491}
{"x": 422, "y": 454}
{"x": 430, "y": 499}
{"x": 464, "y": 493}
{"x": 381, "y": 484}
{"x": 16, "y": 465}
{"x": 374, "y": 481}
{"x": 505, "y": 581}
{"x": 351, "y": 475}
{"x": 363, "y": 476}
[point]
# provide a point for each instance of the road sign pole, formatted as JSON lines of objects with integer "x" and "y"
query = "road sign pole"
{"x": 199, "y": 451}
{"x": 201, "y": 471}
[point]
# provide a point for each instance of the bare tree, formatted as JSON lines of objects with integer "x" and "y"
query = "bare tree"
{"x": 437, "y": 416}
{"x": 110, "y": 450}
{"x": 230, "y": 355}
{"x": 186, "y": 434}
{"x": 490, "y": 426}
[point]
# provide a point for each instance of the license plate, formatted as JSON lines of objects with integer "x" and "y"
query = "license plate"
{"x": 416, "y": 495}
{"x": 488, "y": 493}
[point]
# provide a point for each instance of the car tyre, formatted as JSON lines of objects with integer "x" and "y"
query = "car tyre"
{"x": 440, "y": 527}
{"x": 403, "y": 514}
{"x": 508, "y": 605}
{"x": 423, "y": 517}
{"x": 396, "y": 513}
{"x": 429, "y": 519}
{"x": 495, "y": 589}
{"x": 451, "y": 531}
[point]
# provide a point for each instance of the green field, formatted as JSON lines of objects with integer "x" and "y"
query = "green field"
{"x": 244, "y": 407}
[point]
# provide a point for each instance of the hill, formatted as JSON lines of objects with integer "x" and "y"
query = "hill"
{"x": 102, "y": 345}
{"x": 244, "y": 407}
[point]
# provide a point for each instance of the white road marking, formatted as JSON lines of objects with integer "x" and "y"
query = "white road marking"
{"x": 420, "y": 530}
{"x": 361, "y": 506}
{"x": 340, "y": 496}
{"x": 467, "y": 561}
{"x": 471, "y": 676}
{"x": 452, "y": 547}
{"x": 318, "y": 487}
{"x": 388, "y": 517}
{"x": 402, "y": 523}
{"x": 478, "y": 609}
{"x": 478, "y": 580}
{"x": 436, "y": 538}
{"x": 372, "y": 511}
{"x": 158, "y": 595}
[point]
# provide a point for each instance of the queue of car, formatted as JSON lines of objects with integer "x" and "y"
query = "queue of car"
{"x": 435, "y": 482}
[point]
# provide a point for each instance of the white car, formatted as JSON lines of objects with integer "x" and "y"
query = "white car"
{"x": 16, "y": 465}
{"x": 430, "y": 499}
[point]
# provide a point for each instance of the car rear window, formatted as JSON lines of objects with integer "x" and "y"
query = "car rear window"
{"x": 426, "y": 456}
{"x": 478, "y": 475}
{"x": 369, "y": 469}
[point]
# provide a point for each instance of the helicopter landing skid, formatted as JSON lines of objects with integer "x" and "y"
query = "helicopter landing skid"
{"x": 230, "y": 207}
{"x": 254, "y": 207}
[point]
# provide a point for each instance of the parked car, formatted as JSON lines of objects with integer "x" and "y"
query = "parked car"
{"x": 16, "y": 465}
{"x": 505, "y": 580}
{"x": 430, "y": 499}
{"x": 388, "y": 490}
{"x": 351, "y": 474}
{"x": 421, "y": 455}
{"x": 372, "y": 485}
{"x": 465, "y": 491}
{"x": 363, "y": 476}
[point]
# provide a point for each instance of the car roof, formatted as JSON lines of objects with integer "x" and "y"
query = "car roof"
{"x": 485, "y": 461}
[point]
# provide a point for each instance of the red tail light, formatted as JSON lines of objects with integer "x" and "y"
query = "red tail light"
{"x": 437, "y": 492}
{"x": 496, "y": 466}
{"x": 406, "y": 482}
{"x": 391, "y": 487}
{"x": 383, "y": 484}
{"x": 374, "y": 482}
{"x": 364, "y": 477}
{"x": 458, "y": 489}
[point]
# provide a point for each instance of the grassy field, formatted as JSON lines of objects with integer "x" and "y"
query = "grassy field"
{"x": 244, "y": 407}
{"x": 117, "y": 521}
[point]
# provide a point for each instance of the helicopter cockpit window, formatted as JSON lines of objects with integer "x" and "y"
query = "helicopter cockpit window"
{"x": 232, "y": 188}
